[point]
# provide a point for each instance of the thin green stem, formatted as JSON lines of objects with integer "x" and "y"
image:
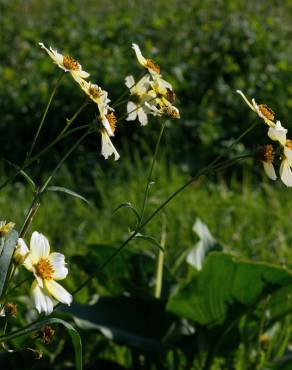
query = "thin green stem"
{"x": 149, "y": 178}
{"x": 160, "y": 261}
{"x": 63, "y": 134}
{"x": 45, "y": 115}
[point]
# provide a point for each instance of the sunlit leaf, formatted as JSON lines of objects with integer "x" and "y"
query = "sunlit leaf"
{"x": 67, "y": 191}
{"x": 8, "y": 245}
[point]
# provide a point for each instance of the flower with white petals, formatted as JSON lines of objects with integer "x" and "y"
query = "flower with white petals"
{"x": 47, "y": 268}
{"x": 65, "y": 62}
{"x": 140, "y": 94}
{"x": 165, "y": 110}
{"x": 5, "y": 227}
{"x": 262, "y": 110}
{"x": 152, "y": 67}
{"x": 107, "y": 147}
{"x": 278, "y": 133}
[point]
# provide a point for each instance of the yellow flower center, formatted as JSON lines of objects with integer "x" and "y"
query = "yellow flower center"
{"x": 70, "y": 63}
{"x": 95, "y": 92}
{"x": 150, "y": 64}
{"x": 267, "y": 154}
{"x": 267, "y": 112}
{"x": 112, "y": 119}
{"x": 289, "y": 144}
{"x": 6, "y": 228}
{"x": 44, "y": 269}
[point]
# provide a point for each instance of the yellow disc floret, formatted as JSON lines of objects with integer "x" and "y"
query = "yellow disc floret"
{"x": 70, "y": 63}
{"x": 44, "y": 269}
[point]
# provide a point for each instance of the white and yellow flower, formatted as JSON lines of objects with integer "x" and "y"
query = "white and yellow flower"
{"x": 5, "y": 227}
{"x": 262, "y": 110}
{"x": 152, "y": 67}
{"x": 166, "y": 110}
{"x": 66, "y": 62}
{"x": 47, "y": 268}
{"x": 21, "y": 252}
{"x": 140, "y": 94}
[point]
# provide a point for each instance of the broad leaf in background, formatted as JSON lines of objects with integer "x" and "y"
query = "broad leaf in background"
{"x": 8, "y": 245}
{"x": 226, "y": 283}
{"x": 132, "y": 321}
{"x": 206, "y": 244}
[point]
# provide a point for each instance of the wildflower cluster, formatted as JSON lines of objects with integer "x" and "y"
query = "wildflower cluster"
{"x": 278, "y": 133}
{"x": 151, "y": 94}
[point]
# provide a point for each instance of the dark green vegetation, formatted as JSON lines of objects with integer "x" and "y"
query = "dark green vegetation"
{"x": 233, "y": 314}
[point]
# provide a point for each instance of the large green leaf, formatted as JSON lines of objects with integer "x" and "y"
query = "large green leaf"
{"x": 138, "y": 323}
{"x": 226, "y": 283}
{"x": 8, "y": 244}
{"x": 76, "y": 340}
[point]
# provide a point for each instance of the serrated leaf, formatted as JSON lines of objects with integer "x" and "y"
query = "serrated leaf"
{"x": 67, "y": 191}
{"x": 76, "y": 340}
{"x": 9, "y": 245}
{"x": 206, "y": 244}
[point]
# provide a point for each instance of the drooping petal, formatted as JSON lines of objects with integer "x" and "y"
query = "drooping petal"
{"x": 58, "y": 292}
{"x": 141, "y": 59}
{"x": 278, "y": 133}
{"x": 107, "y": 148}
{"x": 142, "y": 117}
{"x": 129, "y": 81}
{"x": 58, "y": 263}
{"x": 42, "y": 301}
{"x": 270, "y": 170}
{"x": 288, "y": 155}
{"x": 132, "y": 111}
{"x": 39, "y": 247}
{"x": 286, "y": 173}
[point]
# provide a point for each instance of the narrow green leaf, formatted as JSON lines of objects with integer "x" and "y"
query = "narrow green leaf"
{"x": 24, "y": 174}
{"x": 9, "y": 245}
{"x": 76, "y": 340}
{"x": 150, "y": 239}
{"x": 67, "y": 191}
{"x": 129, "y": 206}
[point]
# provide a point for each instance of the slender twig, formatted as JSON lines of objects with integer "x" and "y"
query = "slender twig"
{"x": 44, "y": 115}
{"x": 149, "y": 178}
{"x": 160, "y": 260}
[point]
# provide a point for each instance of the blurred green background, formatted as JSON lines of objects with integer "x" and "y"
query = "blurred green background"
{"x": 207, "y": 50}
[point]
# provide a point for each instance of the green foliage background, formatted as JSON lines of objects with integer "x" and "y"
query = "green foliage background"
{"x": 207, "y": 49}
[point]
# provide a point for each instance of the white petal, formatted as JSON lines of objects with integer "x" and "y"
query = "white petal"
{"x": 58, "y": 292}
{"x": 245, "y": 99}
{"x": 39, "y": 247}
{"x": 139, "y": 55}
{"x": 57, "y": 57}
{"x": 129, "y": 81}
{"x": 278, "y": 133}
{"x": 288, "y": 155}
{"x": 132, "y": 111}
{"x": 286, "y": 173}
{"x": 143, "y": 85}
{"x": 142, "y": 116}
{"x": 107, "y": 126}
{"x": 58, "y": 262}
{"x": 270, "y": 170}
{"x": 107, "y": 148}
{"x": 42, "y": 301}
{"x": 79, "y": 74}
{"x": 21, "y": 254}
